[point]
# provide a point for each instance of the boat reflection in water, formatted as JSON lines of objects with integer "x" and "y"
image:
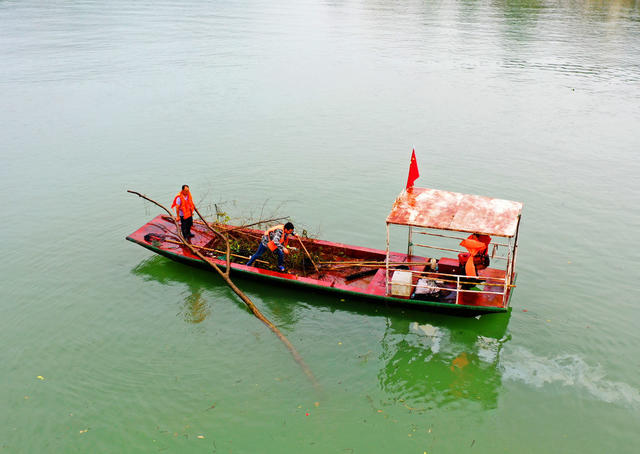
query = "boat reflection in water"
{"x": 194, "y": 308}
{"x": 423, "y": 361}
{"x": 439, "y": 362}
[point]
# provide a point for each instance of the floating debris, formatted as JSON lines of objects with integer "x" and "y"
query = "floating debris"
{"x": 424, "y": 330}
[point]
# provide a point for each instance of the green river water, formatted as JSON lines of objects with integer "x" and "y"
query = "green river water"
{"x": 310, "y": 109}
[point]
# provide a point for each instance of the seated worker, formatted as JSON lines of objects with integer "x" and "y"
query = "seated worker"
{"x": 477, "y": 257}
{"x": 275, "y": 239}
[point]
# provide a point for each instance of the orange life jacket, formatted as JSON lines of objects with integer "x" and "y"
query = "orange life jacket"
{"x": 476, "y": 245}
{"x": 186, "y": 204}
{"x": 284, "y": 240}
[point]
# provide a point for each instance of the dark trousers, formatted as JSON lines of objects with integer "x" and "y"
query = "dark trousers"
{"x": 185, "y": 226}
{"x": 261, "y": 250}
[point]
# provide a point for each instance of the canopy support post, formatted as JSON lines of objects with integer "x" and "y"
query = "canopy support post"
{"x": 515, "y": 251}
{"x": 507, "y": 277}
{"x": 511, "y": 263}
{"x": 386, "y": 265}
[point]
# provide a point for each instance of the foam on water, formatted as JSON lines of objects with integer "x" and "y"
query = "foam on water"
{"x": 567, "y": 370}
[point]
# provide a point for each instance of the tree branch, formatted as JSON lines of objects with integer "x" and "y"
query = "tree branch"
{"x": 237, "y": 291}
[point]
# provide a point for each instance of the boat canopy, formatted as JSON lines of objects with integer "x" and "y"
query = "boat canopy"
{"x": 444, "y": 210}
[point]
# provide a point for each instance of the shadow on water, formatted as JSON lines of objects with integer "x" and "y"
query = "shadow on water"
{"x": 194, "y": 308}
{"x": 282, "y": 303}
{"x": 426, "y": 359}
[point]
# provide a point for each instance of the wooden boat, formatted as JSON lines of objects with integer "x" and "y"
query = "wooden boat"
{"x": 440, "y": 284}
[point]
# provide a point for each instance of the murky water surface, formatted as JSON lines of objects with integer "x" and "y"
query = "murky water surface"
{"x": 311, "y": 109}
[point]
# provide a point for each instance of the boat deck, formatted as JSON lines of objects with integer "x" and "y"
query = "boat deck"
{"x": 159, "y": 235}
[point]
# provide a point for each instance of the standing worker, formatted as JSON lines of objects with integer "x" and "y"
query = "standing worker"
{"x": 275, "y": 239}
{"x": 183, "y": 203}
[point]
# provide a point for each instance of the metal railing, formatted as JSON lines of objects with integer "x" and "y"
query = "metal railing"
{"x": 459, "y": 281}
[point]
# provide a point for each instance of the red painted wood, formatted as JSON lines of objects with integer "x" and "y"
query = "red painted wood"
{"x": 160, "y": 225}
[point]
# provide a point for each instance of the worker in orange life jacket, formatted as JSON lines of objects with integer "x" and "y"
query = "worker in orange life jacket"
{"x": 183, "y": 203}
{"x": 477, "y": 257}
{"x": 275, "y": 239}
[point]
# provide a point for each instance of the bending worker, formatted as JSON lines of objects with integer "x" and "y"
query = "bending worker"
{"x": 183, "y": 203}
{"x": 275, "y": 239}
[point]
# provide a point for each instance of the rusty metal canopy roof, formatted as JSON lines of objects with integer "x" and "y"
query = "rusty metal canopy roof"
{"x": 435, "y": 209}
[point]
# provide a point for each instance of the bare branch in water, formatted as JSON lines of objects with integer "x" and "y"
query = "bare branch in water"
{"x": 234, "y": 287}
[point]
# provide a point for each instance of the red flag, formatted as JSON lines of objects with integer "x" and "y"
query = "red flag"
{"x": 413, "y": 170}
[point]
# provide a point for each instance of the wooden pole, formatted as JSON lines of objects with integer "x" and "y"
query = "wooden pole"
{"x": 244, "y": 226}
{"x": 234, "y": 287}
{"x": 371, "y": 263}
{"x": 215, "y": 250}
{"x": 486, "y": 280}
{"x": 308, "y": 255}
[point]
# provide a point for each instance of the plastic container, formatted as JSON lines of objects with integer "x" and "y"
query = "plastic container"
{"x": 401, "y": 283}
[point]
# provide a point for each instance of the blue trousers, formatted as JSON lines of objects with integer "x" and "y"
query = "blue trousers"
{"x": 261, "y": 250}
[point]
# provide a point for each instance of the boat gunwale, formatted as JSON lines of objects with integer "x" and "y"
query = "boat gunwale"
{"x": 458, "y": 309}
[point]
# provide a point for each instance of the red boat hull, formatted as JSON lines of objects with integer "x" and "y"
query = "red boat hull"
{"x": 370, "y": 287}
